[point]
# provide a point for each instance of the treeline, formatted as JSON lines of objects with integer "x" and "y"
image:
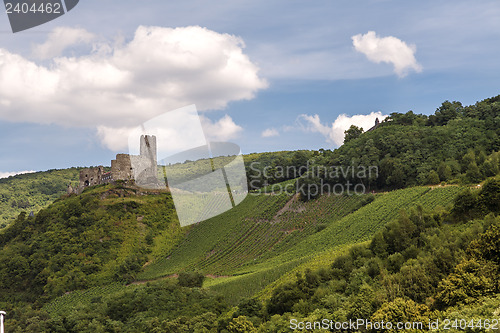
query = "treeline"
{"x": 456, "y": 144}
{"x": 156, "y": 307}
{"x": 270, "y": 168}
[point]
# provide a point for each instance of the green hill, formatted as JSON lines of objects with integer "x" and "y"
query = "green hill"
{"x": 114, "y": 259}
{"x": 104, "y": 235}
{"x": 458, "y": 144}
{"x": 32, "y": 191}
{"x": 357, "y": 256}
{"x": 252, "y": 247}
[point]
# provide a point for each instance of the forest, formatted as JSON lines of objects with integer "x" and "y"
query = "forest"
{"x": 456, "y": 145}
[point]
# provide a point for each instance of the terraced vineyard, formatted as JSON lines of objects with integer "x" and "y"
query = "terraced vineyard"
{"x": 265, "y": 239}
{"x": 363, "y": 223}
{"x": 338, "y": 236}
{"x": 87, "y": 296}
{"x": 204, "y": 236}
{"x": 439, "y": 196}
{"x": 260, "y": 228}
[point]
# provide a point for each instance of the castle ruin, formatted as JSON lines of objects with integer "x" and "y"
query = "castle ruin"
{"x": 141, "y": 168}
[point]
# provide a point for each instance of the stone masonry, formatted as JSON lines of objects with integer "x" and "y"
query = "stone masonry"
{"x": 141, "y": 168}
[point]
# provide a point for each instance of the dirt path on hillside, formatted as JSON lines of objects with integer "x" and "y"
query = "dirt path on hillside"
{"x": 440, "y": 186}
{"x": 172, "y": 276}
{"x": 286, "y": 207}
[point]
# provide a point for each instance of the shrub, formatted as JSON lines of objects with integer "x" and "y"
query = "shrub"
{"x": 190, "y": 279}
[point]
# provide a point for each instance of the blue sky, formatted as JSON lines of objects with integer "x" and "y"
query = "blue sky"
{"x": 297, "y": 66}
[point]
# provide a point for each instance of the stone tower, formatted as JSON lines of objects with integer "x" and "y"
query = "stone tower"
{"x": 148, "y": 148}
{"x": 145, "y": 165}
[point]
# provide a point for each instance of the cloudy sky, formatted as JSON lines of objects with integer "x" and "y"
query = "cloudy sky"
{"x": 280, "y": 75}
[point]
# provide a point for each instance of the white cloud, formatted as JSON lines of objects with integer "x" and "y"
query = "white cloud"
{"x": 270, "y": 132}
{"x": 334, "y": 133}
{"x": 9, "y": 174}
{"x": 222, "y": 130}
{"x": 59, "y": 39}
{"x": 122, "y": 85}
{"x": 389, "y": 50}
{"x": 171, "y": 139}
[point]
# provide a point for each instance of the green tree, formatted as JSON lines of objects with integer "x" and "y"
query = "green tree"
{"x": 250, "y": 307}
{"x": 433, "y": 178}
{"x": 446, "y": 112}
{"x": 487, "y": 246}
{"x": 468, "y": 281}
{"x": 283, "y": 299}
{"x": 465, "y": 204}
{"x": 309, "y": 187}
{"x": 490, "y": 167}
{"x": 190, "y": 279}
{"x": 402, "y": 310}
{"x": 362, "y": 304}
{"x": 444, "y": 171}
{"x": 240, "y": 325}
{"x": 490, "y": 195}
{"x": 378, "y": 245}
{"x": 352, "y": 133}
{"x": 473, "y": 173}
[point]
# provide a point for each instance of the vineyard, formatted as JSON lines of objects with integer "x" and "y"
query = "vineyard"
{"x": 281, "y": 228}
{"x": 363, "y": 223}
{"x": 266, "y": 239}
{"x": 260, "y": 228}
{"x": 216, "y": 251}
{"x": 312, "y": 250}
{"x": 81, "y": 297}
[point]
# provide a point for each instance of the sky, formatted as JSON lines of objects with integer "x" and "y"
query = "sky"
{"x": 268, "y": 76}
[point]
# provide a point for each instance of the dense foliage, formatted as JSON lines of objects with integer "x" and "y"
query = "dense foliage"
{"x": 270, "y": 168}
{"x": 83, "y": 241}
{"x": 456, "y": 144}
{"x": 32, "y": 191}
{"x": 424, "y": 261}
{"x": 158, "y": 307}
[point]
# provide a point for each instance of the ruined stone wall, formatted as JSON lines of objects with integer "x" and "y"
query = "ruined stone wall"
{"x": 142, "y": 168}
{"x": 91, "y": 176}
{"x": 121, "y": 168}
{"x": 145, "y": 169}
{"x": 145, "y": 165}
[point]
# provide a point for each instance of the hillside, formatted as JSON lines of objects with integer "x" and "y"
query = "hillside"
{"x": 420, "y": 243}
{"x": 109, "y": 232}
{"x": 32, "y": 191}
{"x": 261, "y": 245}
{"x": 457, "y": 144}
{"x": 104, "y": 235}
{"x": 358, "y": 257}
